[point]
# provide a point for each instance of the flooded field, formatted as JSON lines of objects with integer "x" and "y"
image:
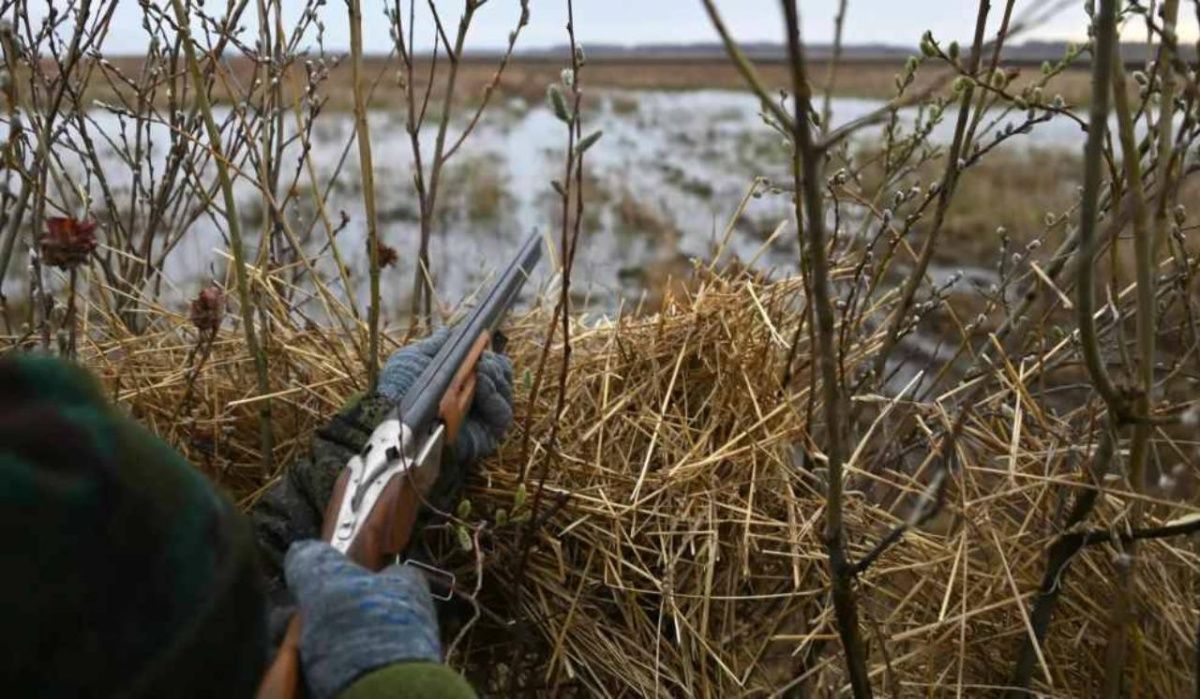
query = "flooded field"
{"x": 662, "y": 186}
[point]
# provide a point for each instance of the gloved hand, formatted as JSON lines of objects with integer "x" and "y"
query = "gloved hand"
{"x": 355, "y": 621}
{"x": 489, "y": 418}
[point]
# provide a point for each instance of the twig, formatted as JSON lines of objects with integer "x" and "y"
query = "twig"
{"x": 806, "y": 176}
{"x": 1058, "y": 558}
{"x": 1102, "y": 58}
{"x": 746, "y": 68}
{"x": 363, "y": 135}
{"x": 954, "y": 162}
{"x": 71, "y": 321}
{"x": 571, "y": 190}
{"x": 835, "y": 59}
{"x": 245, "y": 304}
{"x": 422, "y": 297}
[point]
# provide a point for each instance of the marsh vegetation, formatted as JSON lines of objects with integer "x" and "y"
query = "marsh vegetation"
{"x": 842, "y": 379}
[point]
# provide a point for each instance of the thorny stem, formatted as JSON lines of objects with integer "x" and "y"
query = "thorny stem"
{"x": 363, "y": 135}
{"x": 806, "y": 175}
{"x": 235, "y": 233}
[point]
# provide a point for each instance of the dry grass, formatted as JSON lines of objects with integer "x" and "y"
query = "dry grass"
{"x": 682, "y": 552}
{"x": 1010, "y": 190}
{"x": 677, "y": 542}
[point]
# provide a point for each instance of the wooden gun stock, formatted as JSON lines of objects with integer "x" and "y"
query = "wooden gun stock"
{"x": 385, "y": 536}
{"x": 454, "y": 406}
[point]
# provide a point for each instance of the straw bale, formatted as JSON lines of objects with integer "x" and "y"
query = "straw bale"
{"x": 678, "y": 547}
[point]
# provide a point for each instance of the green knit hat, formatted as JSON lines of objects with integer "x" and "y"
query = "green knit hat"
{"x": 124, "y": 571}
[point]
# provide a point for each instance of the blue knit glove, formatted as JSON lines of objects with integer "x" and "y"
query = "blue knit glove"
{"x": 490, "y": 415}
{"x": 354, "y": 621}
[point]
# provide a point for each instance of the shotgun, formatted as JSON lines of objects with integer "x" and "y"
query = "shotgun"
{"x": 375, "y": 501}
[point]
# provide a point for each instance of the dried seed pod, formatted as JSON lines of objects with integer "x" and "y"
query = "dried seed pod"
{"x": 207, "y": 309}
{"x": 387, "y": 255}
{"x": 68, "y": 241}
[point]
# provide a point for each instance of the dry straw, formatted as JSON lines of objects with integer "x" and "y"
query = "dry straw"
{"x": 679, "y": 550}
{"x": 690, "y": 517}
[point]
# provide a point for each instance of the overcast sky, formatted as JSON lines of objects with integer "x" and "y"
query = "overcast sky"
{"x": 898, "y": 22}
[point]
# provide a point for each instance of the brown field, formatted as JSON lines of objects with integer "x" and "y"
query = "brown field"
{"x": 529, "y": 77}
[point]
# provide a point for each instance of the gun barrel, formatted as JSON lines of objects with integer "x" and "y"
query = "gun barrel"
{"x": 420, "y": 404}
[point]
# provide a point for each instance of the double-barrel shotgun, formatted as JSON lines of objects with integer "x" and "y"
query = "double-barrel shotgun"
{"x": 377, "y": 497}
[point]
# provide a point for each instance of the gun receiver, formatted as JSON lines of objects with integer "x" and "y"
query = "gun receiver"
{"x": 376, "y": 498}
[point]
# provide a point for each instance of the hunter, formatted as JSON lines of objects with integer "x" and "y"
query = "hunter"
{"x": 128, "y": 574}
